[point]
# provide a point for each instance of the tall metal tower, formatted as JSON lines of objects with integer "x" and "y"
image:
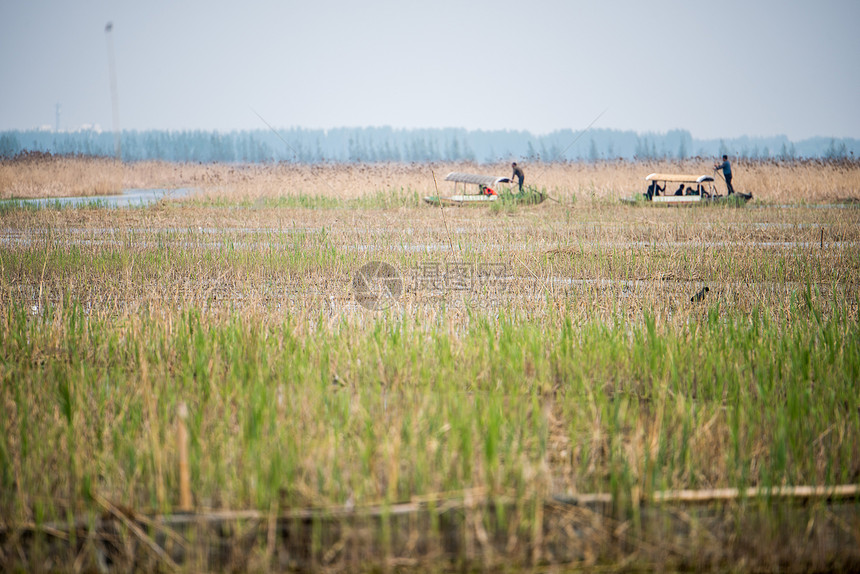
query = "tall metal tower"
{"x": 113, "y": 93}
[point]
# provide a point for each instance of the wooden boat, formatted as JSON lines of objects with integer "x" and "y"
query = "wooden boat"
{"x": 487, "y": 191}
{"x": 692, "y": 190}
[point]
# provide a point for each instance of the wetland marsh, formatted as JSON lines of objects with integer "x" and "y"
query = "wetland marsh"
{"x": 532, "y": 351}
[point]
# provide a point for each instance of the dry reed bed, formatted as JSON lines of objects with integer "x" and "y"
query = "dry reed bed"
{"x": 605, "y": 222}
{"x": 46, "y": 176}
{"x": 780, "y": 182}
{"x": 594, "y": 261}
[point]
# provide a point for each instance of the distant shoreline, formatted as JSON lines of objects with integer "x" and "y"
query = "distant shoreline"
{"x": 386, "y": 144}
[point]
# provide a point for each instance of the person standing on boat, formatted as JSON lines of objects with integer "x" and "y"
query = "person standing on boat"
{"x": 519, "y": 175}
{"x": 727, "y": 172}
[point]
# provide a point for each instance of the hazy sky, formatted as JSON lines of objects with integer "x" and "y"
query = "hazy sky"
{"x": 718, "y": 69}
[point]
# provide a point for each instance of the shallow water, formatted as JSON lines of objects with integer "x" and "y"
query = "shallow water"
{"x": 128, "y": 198}
{"x": 12, "y": 237}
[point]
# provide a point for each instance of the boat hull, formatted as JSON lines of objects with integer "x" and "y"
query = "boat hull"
{"x": 689, "y": 200}
{"x": 460, "y": 200}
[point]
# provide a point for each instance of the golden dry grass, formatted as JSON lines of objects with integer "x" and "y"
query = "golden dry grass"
{"x": 44, "y": 176}
{"x": 776, "y": 182}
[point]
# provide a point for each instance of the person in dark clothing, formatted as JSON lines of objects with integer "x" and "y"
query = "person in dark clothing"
{"x": 519, "y": 175}
{"x": 727, "y": 172}
{"x": 654, "y": 189}
{"x": 680, "y": 190}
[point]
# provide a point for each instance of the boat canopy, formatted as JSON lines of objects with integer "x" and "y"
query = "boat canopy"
{"x": 459, "y": 177}
{"x": 676, "y": 178}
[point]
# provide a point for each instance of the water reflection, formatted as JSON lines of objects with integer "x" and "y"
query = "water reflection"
{"x": 128, "y": 198}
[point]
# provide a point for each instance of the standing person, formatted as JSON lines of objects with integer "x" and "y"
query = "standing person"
{"x": 654, "y": 189}
{"x": 727, "y": 172}
{"x": 518, "y": 173}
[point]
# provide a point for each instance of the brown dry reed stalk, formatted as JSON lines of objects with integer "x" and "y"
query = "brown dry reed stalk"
{"x": 809, "y": 181}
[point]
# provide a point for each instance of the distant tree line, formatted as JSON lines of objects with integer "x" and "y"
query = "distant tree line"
{"x": 385, "y": 144}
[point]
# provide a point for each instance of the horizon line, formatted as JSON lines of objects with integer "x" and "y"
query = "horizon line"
{"x": 95, "y": 127}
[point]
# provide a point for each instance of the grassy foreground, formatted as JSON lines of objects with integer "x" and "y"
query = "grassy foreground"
{"x": 532, "y": 351}
{"x": 318, "y": 413}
